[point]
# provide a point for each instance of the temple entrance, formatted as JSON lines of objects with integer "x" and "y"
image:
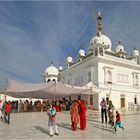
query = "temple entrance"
{"x": 122, "y": 102}
{"x": 91, "y": 99}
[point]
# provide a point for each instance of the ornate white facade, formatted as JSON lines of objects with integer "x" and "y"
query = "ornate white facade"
{"x": 113, "y": 74}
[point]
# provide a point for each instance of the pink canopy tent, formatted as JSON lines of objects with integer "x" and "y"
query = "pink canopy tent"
{"x": 51, "y": 90}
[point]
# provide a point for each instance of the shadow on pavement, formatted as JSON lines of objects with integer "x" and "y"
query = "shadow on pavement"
{"x": 93, "y": 120}
{"x": 131, "y": 114}
{"x": 43, "y": 130}
{"x": 105, "y": 128}
{"x": 64, "y": 125}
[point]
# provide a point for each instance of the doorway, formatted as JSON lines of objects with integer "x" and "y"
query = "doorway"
{"x": 91, "y": 99}
{"x": 122, "y": 102}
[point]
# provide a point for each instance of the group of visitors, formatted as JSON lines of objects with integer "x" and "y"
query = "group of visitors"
{"x": 38, "y": 105}
{"x": 108, "y": 110}
{"x": 77, "y": 112}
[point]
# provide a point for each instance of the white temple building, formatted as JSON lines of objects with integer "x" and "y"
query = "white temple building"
{"x": 111, "y": 74}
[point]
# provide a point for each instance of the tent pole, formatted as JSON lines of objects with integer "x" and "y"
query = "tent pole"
{"x": 54, "y": 90}
{"x": 5, "y": 92}
{"x": 110, "y": 93}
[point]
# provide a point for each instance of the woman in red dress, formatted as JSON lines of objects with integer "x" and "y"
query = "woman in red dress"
{"x": 82, "y": 111}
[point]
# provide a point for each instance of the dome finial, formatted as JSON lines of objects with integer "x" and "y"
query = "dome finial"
{"x": 119, "y": 42}
{"x": 51, "y": 62}
{"x": 99, "y": 22}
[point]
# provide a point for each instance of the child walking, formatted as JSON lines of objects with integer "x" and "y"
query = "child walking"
{"x": 118, "y": 121}
{"x": 51, "y": 122}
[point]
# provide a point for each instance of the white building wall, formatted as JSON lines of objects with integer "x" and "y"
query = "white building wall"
{"x": 125, "y": 74}
{"x": 95, "y": 101}
{"x": 78, "y": 75}
{"x": 97, "y": 67}
{"x": 115, "y": 98}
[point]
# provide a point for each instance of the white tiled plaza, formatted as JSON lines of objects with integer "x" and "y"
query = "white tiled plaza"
{"x": 33, "y": 125}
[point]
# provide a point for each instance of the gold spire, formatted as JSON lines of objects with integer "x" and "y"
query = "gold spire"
{"x": 99, "y": 24}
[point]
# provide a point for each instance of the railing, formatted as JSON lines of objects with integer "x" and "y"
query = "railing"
{"x": 134, "y": 107}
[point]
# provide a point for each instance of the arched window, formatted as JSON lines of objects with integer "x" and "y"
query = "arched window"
{"x": 89, "y": 76}
{"x": 96, "y": 51}
{"x": 48, "y": 80}
{"x": 136, "y": 80}
{"x": 135, "y": 100}
{"x": 101, "y": 51}
{"x": 109, "y": 77}
{"x": 53, "y": 80}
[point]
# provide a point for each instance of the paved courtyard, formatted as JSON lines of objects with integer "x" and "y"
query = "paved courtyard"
{"x": 33, "y": 125}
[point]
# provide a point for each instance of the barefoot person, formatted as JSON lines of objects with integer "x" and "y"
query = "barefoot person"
{"x": 103, "y": 105}
{"x": 52, "y": 122}
{"x": 74, "y": 116}
{"x": 118, "y": 122}
{"x": 7, "y": 111}
{"x": 111, "y": 113}
{"x": 82, "y": 113}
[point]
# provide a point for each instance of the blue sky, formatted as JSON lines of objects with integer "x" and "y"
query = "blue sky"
{"x": 32, "y": 34}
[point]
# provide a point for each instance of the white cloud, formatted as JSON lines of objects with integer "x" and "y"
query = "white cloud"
{"x": 33, "y": 34}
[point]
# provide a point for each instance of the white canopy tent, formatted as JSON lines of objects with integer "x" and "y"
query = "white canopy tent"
{"x": 51, "y": 90}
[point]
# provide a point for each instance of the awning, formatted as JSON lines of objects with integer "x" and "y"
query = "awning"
{"x": 51, "y": 90}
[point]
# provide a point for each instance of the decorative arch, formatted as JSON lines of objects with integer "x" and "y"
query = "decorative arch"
{"x": 49, "y": 80}
{"x": 109, "y": 77}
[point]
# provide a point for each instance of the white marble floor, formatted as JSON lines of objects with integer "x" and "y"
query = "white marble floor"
{"x": 33, "y": 126}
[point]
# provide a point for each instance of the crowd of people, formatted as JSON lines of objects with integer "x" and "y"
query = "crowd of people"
{"x": 38, "y": 105}
{"x": 107, "y": 112}
{"x": 77, "y": 110}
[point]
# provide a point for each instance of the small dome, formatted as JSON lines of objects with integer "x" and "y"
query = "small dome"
{"x": 51, "y": 70}
{"x": 135, "y": 52}
{"x": 120, "y": 48}
{"x": 69, "y": 59}
{"x": 81, "y": 52}
{"x": 101, "y": 39}
{"x": 60, "y": 68}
